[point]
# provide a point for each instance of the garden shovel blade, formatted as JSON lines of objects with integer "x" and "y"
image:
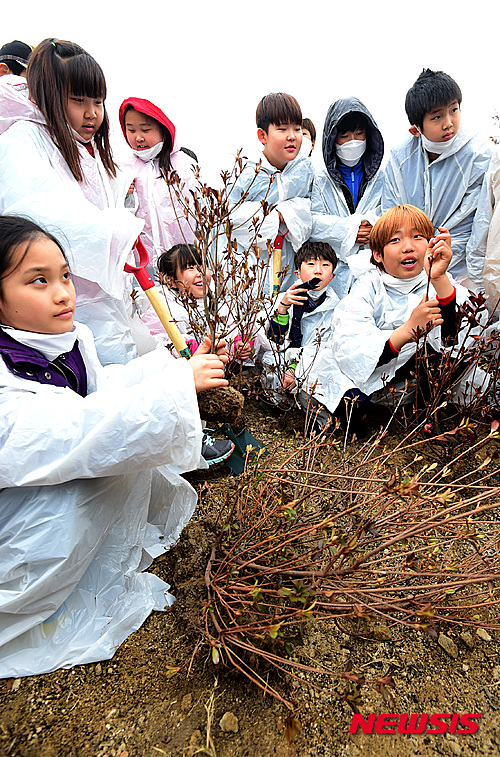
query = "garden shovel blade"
{"x": 242, "y": 441}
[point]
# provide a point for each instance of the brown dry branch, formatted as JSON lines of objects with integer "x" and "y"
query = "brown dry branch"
{"x": 469, "y": 366}
{"x": 234, "y": 301}
{"x": 234, "y": 304}
{"x": 375, "y": 535}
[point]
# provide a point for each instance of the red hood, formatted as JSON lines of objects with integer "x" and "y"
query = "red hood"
{"x": 146, "y": 107}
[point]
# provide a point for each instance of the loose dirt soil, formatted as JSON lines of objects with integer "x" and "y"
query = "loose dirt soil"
{"x": 131, "y": 706}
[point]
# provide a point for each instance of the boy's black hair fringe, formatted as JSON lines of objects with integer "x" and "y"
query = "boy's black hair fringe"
{"x": 433, "y": 89}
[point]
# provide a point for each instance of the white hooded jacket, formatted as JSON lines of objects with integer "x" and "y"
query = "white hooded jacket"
{"x": 83, "y": 508}
{"x": 288, "y": 194}
{"x": 452, "y": 192}
{"x": 332, "y": 219}
{"x": 97, "y": 235}
{"x": 163, "y": 213}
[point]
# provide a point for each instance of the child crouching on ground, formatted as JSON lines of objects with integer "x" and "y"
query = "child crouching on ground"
{"x": 84, "y": 506}
{"x": 181, "y": 276}
{"x": 374, "y": 324}
{"x": 182, "y": 283}
{"x": 300, "y": 335}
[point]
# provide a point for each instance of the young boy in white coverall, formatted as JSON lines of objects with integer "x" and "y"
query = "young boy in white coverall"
{"x": 301, "y": 335}
{"x": 441, "y": 169}
{"x": 373, "y": 327}
{"x": 279, "y": 129}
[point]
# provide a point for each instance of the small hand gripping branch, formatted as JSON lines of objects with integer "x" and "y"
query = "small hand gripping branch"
{"x": 160, "y": 306}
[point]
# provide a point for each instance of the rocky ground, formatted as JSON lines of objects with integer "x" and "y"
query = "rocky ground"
{"x": 136, "y": 705}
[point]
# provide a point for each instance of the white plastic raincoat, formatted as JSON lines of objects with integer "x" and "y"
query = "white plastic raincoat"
{"x": 365, "y": 319}
{"x": 97, "y": 236}
{"x": 317, "y": 372}
{"x": 452, "y": 191}
{"x": 165, "y": 223}
{"x": 84, "y": 511}
{"x": 491, "y": 273}
{"x": 332, "y": 219}
{"x": 289, "y": 195}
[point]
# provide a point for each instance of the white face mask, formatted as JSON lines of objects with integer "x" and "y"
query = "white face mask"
{"x": 315, "y": 294}
{"x": 79, "y": 138}
{"x": 150, "y": 153}
{"x": 351, "y": 152}
{"x": 437, "y": 148}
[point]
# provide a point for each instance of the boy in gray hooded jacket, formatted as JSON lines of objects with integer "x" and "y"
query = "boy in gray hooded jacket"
{"x": 346, "y": 194}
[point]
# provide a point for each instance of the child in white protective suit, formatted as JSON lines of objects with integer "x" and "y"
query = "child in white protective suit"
{"x": 441, "y": 168}
{"x": 56, "y": 163}
{"x": 86, "y": 498}
{"x": 155, "y": 157}
{"x": 347, "y": 193}
{"x": 374, "y": 325}
{"x": 300, "y": 338}
{"x": 181, "y": 278}
{"x": 284, "y": 182}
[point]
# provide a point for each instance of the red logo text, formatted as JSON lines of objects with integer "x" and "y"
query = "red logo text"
{"x": 414, "y": 723}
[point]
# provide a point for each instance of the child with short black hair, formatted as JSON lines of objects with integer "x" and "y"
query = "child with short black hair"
{"x": 313, "y": 261}
{"x": 300, "y": 335}
{"x": 284, "y": 182}
{"x": 442, "y": 169}
{"x": 432, "y": 90}
{"x": 346, "y": 194}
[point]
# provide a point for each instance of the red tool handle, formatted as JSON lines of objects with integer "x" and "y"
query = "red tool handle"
{"x": 140, "y": 271}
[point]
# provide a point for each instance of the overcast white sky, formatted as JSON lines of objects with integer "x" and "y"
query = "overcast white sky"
{"x": 207, "y": 64}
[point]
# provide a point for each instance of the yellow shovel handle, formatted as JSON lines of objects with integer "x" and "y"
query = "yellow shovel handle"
{"x": 163, "y": 313}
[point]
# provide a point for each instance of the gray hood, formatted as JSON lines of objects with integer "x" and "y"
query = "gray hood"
{"x": 374, "y": 154}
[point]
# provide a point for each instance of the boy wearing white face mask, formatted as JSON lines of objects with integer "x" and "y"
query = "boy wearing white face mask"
{"x": 441, "y": 169}
{"x": 346, "y": 194}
